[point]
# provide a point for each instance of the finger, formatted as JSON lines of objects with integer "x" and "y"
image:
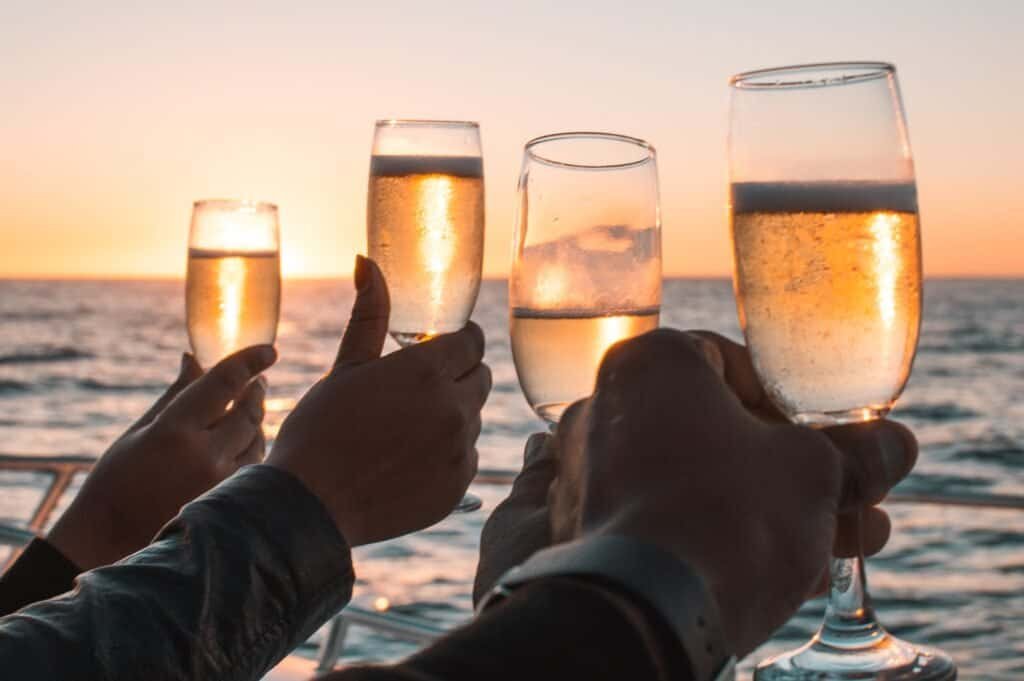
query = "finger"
{"x": 868, "y": 533}
{"x": 539, "y": 468}
{"x": 188, "y": 372}
{"x": 255, "y": 452}
{"x": 235, "y": 431}
{"x": 467, "y": 470}
{"x": 367, "y": 330}
{"x": 711, "y": 353}
{"x": 452, "y": 354}
{"x": 566, "y": 490}
{"x": 876, "y": 527}
{"x": 875, "y": 456}
{"x": 740, "y": 374}
{"x": 473, "y": 388}
{"x": 204, "y": 402}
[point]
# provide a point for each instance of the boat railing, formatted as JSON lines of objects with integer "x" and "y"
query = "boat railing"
{"x": 415, "y": 630}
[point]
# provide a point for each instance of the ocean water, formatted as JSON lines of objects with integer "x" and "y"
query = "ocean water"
{"x": 80, "y": 360}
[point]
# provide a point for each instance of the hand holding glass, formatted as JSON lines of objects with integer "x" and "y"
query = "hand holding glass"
{"x": 425, "y": 227}
{"x": 828, "y": 284}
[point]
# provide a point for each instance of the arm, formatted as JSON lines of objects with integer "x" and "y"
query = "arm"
{"x": 250, "y": 569}
{"x": 169, "y": 456}
{"x": 224, "y": 592}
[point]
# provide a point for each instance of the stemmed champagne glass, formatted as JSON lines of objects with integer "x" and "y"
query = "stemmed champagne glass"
{"x": 828, "y": 285}
{"x": 425, "y": 227}
{"x": 586, "y": 269}
{"x": 233, "y": 287}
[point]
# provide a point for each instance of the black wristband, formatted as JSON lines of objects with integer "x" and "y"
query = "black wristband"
{"x": 666, "y": 585}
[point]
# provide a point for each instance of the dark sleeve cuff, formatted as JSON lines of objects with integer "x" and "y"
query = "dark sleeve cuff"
{"x": 295, "y": 530}
{"x": 41, "y": 572}
{"x": 565, "y": 627}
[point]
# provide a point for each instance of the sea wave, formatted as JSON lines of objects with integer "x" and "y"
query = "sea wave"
{"x": 940, "y": 412}
{"x": 45, "y": 354}
{"x": 9, "y": 386}
{"x": 94, "y": 385}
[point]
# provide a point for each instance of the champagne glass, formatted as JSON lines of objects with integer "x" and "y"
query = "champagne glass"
{"x": 828, "y": 286}
{"x": 586, "y": 270}
{"x": 233, "y": 287}
{"x": 425, "y": 227}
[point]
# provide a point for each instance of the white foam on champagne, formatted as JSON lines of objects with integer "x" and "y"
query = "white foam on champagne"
{"x": 399, "y": 166}
{"x": 823, "y": 197}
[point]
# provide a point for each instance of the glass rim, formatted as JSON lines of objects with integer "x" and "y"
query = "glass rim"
{"x": 648, "y": 148}
{"x": 861, "y": 71}
{"x": 235, "y": 204}
{"x": 424, "y": 123}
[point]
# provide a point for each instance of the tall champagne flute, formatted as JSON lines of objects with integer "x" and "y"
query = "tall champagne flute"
{"x": 233, "y": 287}
{"x": 425, "y": 227}
{"x": 586, "y": 269}
{"x": 828, "y": 285}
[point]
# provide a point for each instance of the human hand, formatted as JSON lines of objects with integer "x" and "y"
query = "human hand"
{"x": 186, "y": 443}
{"x": 388, "y": 443}
{"x": 542, "y": 507}
{"x": 676, "y": 457}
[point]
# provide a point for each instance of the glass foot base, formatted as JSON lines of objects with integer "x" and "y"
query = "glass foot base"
{"x": 890, "y": 659}
{"x": 468, "y": 504}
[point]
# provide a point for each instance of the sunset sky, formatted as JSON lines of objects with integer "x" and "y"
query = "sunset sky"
{"x": 116, "y": 116}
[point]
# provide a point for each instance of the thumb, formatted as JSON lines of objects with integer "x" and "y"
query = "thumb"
{"x": 188, "y": 372}
{"x": 368, "y": 327}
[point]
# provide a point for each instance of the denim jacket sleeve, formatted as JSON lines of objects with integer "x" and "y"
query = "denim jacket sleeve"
{"x": 240, "y": 577}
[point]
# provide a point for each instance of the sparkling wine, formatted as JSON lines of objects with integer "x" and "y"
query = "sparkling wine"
{"x": 425, "y": 229}
{"x": 557, "y": 352}
{"x": 232, "y": 301}
{"x": 827, "y": 284}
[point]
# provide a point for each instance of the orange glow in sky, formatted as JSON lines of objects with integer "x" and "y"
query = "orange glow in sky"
{"x": 118, "y": 115}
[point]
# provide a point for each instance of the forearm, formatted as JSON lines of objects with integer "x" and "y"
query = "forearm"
{"x": 239, "y": 578}
{"x": 555, "y": 629}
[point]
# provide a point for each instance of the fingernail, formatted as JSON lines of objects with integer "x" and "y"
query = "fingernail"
{"x": 362, "y": 274}
{"x": 264, "y": 383}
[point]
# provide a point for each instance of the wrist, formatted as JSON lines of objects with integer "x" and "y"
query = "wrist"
{"x": 85, "y": 536}
{"x": 337, "y": 507}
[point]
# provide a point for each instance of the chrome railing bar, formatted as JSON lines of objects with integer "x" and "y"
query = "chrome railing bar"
{"x": 15, "y": 536}
{"x": 500, "y": 476}
{"x": 403, "y": 627}
{"x": 413, "y": 629}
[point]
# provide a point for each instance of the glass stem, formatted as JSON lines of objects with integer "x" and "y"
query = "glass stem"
{"x": 850, "y": 622}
